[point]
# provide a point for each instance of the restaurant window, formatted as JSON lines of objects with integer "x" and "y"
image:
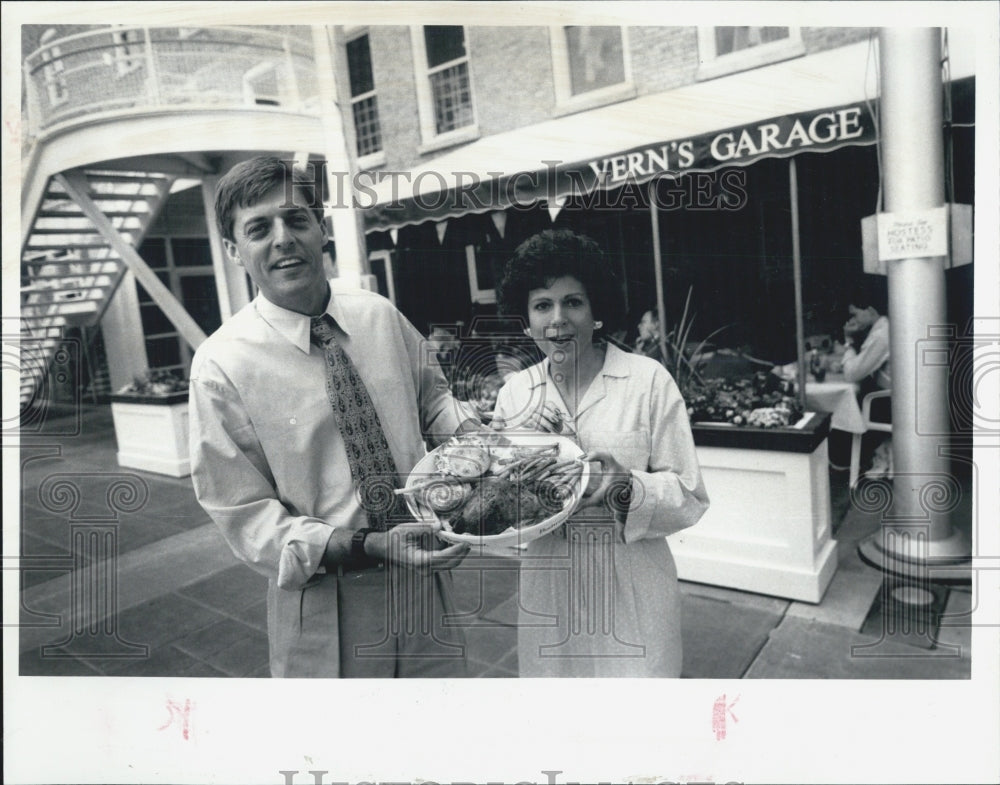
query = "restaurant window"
{"x": 444, "y": 88}
{"x": 380, "y": 264}
{"x": 724, "y": 50}
{"x": 590, "y": 65}
{"x": 127, "y": 50}
{"x": 364, "y": 102}
{"x": 184, "y": 266}
{"x": 482, "y": 280}
{"x": 52, "y": 70}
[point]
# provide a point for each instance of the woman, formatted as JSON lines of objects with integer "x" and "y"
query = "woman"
{"x": 599, "y": 597}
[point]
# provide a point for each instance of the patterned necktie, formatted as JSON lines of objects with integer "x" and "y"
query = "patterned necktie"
{"x": 373, "y": 469}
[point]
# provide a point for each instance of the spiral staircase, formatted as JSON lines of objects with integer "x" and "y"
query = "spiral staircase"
{"x": 116, "y": 117}
{"x": 71, "y": 257}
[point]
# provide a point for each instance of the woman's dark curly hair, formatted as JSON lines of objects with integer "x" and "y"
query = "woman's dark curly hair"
{"x": 555, "y": 253}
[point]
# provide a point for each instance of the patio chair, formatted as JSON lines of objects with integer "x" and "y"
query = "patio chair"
{"x": 870, "y": 425}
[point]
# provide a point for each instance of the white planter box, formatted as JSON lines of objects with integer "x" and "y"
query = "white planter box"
{"x": 153, "y": 435}
{"x": 768, "y": 527}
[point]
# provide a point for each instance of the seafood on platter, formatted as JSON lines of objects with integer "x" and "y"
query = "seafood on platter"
{"x": 483, "y": 487}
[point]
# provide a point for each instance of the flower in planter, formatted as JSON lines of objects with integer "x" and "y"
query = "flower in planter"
{"x": 155, "y": 381}
{"x": 754, "y": 401}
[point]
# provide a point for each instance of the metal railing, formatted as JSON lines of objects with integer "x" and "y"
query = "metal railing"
{"x": 124, "y": 69}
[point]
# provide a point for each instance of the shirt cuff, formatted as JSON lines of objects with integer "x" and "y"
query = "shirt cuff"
{"x": 302, "y": 555}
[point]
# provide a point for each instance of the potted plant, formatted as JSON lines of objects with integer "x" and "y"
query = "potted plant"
{"x": 151, "y": 423}
{"x": 764, "y": 462}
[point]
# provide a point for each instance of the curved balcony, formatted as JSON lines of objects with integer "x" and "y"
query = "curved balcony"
{"x": 100, "y": 74}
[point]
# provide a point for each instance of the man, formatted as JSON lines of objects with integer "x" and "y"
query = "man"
{"x": 303, "y": 491}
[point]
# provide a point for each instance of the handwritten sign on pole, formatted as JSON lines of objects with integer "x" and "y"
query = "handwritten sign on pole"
{"x": 913, "y": 234}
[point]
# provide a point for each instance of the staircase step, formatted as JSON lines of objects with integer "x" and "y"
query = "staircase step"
{"x": 67, "y": 309}
{"x": 103, "y": 196}
{"x": 109, "y": 213}
{"x": 42, "y": 328}
{"x": 111, "y": 266}
{"x": 87, "y": 269}
{"x": 48, "y": 246}
{"x": 58, "y": 294}
{"x": 83, "y": 231}
{"x": 43, "y": 336}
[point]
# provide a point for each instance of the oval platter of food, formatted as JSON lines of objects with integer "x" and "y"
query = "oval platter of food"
{"x": 497, "y": 490}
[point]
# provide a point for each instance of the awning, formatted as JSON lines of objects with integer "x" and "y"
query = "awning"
{"x": 815, "y": 103}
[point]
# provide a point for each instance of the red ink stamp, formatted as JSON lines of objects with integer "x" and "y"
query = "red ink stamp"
{"x": 180, "y": 714}
{"x": 719, "y": 710}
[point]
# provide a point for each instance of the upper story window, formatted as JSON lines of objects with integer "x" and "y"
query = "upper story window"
{"x": 128, "y": 50}
{"x": 52, "y": 71}
{"x": 364, "y": 102}
{"x": 444, "y": 89}
{"x": 591, "y": 66}
{"x": 724, "y": 50}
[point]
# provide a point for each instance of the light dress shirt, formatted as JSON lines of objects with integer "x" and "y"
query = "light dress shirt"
{"x": 612, "y": 607}
{"x": 268, "y": 460}
{"x": 872, "y": 359}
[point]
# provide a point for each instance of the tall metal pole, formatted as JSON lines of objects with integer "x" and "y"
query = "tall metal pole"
{"x": 917, "y": 529}
{"x": 800, "y": 338}
{"x": 654, "y": 217}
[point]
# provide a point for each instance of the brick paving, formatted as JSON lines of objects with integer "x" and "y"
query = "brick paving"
{"x": 186, "y": 607}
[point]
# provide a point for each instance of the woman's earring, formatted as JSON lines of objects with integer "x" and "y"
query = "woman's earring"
{"x": 598, "y": 325}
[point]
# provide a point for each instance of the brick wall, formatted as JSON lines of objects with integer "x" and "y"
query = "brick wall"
{"x": 392, "y": 65}
{"x": 663, "y": 58}
{"x": 512, "y": 80}
{"x": 817, "y": 39}
{"x": 511, "y": 76}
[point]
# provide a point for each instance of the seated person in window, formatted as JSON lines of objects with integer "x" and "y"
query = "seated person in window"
{"x": 866, "y": 363}
{"x": 866, "y": 356}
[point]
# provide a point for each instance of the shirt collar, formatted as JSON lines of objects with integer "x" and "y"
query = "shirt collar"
{"x": 615, "y": 364}
{"x": 294, "y": 326}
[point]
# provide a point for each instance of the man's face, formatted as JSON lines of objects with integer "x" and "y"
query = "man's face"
{"x": 281, "y": 247}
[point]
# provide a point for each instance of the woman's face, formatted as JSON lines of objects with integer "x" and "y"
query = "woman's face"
{"x": 560, "y": 318}
{"x": 648, "y": 326}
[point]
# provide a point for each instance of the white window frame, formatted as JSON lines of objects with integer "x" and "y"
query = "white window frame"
{"x": 52, "y": 70}
{"x": 174, "y": 274}
{"x": 431, "y": 139}
{"x": 126, "y": 61}
{"x": 566, "y": 102}
{"x": 390, "y": 274}
{"x": 478, "y": 295}
{"x": 711, "y": 65}
{"x": 378, "y": 158}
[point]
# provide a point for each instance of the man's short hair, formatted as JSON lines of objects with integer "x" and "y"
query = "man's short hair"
{"x": 250, "y": 181}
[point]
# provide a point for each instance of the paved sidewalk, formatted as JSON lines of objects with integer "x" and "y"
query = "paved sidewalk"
{"x": 186, "y": 607}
